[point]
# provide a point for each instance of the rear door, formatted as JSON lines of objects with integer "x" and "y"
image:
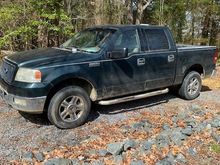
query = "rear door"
{"x": 160, "y": 57}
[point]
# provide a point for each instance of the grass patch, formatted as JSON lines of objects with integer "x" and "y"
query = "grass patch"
{"x": 215, "y": 148}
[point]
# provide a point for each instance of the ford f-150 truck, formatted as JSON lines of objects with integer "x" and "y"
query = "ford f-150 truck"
{"x": 106, "y": 65}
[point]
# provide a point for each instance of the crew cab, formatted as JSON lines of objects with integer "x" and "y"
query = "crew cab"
{"x": 105, "y": 65}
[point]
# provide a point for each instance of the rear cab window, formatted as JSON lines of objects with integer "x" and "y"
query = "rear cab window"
{"x": 154, "y": 40}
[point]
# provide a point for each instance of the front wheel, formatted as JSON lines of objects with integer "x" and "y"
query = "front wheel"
{"x": 69, "y": 107}
{"x": 191, "y": 86}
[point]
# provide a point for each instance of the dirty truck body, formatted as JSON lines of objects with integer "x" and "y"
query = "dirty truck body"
{"x": 105, "y": 65}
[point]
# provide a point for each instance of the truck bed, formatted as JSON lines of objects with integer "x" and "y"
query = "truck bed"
{"x": 194, "y": 56}
{"x": 193, "y": 47}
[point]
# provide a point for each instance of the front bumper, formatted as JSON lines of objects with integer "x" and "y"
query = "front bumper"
{"x": 30, "y": 105}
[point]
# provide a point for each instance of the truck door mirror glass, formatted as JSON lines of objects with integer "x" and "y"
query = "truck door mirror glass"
{"x": 120, "y": 53}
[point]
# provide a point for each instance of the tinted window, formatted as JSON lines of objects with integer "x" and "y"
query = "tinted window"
{"x": 127, "y": 39}
{"x": 157, "y": 39}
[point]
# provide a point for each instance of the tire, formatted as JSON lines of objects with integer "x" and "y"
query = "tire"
{"x": 191, "y": 86}
{"x": 69, "y": 107}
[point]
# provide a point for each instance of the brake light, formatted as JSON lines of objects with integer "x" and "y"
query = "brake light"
{"x": 215, "y": 56}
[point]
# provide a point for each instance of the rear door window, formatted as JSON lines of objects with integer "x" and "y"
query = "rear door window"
{"x": 157, "y": 39}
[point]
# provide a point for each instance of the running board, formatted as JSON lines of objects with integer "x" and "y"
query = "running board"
{"x": 134, "y": 97}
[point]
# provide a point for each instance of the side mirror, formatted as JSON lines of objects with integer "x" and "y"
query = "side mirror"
{"x": 120, "y": 53}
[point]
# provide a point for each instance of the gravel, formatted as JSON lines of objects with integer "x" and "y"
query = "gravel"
{"x": 192, "y": 151}
{"x": 164, "y": 162}
{"x": 27, "y": 156}
{"x": 39, "y": 156}
{"x": 166, "y": 127}
{"x": 98, "y": 162}
{"x": 115, "y": 148}
{"x": 21, "y": 134}
{"x": 138, "y": 162}
{"x": 128, "y": 144}
{"x": 187, "y": 131}
{"x": 216, "y": 123}
{"x": 180, "y": 158}
{"x": 58, "y": 161}
{"x": 162, "y": 140}
{"x": 177, "y": 137}
{"x": 118, "y": 159}
{"x": 216, "y": 137}
{"x": 103, "y": 152}
{"x": 75, "y": 162}
{"x": 148, "y": 144}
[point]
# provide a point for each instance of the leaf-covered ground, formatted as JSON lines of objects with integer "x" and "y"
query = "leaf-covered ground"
{"x": 31, "y": 139}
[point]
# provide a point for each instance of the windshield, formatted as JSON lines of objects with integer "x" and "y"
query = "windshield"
{"x": 90, "y": 40}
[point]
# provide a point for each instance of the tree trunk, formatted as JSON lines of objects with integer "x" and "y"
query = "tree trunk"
{"x": 141, "y": 7}
{"x": 193, "y": 28}
{"x": 213, "y": 33}
{"x": 128, "y": 15}
{"x": 42, "y": 36}
{"x": 206, "y": 24}
{"x": 180, "y": 32}
{"x": 98, "y": 15}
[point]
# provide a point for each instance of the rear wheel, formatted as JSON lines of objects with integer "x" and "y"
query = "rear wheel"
{"x": 69, "y": 107}
{"x": 191, "y": 86}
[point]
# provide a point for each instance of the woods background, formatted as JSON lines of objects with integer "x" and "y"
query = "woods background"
{"x": 28, "y": 24}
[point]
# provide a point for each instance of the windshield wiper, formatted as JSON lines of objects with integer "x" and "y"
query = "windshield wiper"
{"x": 73, "y": 49}
{"x": 76, "y": 49}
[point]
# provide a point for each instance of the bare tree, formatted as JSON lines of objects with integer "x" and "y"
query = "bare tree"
{"x": 141, "y": 6}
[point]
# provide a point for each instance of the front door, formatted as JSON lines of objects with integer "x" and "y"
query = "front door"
{"x": 123, "y": 76}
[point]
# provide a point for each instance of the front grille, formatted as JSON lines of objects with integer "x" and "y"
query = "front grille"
{"x": 7, "y": 71}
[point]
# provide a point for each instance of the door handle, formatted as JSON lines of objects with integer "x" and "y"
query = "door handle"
{"x": 171, "y": 58}
{"x": 140, "y": 61}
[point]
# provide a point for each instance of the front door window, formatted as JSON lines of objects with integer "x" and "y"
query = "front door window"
{"x": 128, "y": 39}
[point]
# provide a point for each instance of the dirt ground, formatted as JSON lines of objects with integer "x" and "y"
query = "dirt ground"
{"x": 24, "y": 136}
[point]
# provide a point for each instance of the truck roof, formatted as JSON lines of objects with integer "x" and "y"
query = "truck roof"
{"x": 127, "y": 26}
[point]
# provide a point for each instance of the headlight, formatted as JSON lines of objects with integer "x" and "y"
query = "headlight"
{"x": 28, "y": 75}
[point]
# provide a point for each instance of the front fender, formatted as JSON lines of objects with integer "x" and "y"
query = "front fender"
{"x": 56, "y": 76}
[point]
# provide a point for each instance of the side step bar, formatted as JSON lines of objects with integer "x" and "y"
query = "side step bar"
{"x": 134, "y": 97}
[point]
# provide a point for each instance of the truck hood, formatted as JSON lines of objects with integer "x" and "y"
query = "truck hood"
{"x": 47, "y": 57}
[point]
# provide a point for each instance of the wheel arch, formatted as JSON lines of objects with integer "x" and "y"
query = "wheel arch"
{"x": 86, "y": 84}
{"x": 197, "y": 68}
